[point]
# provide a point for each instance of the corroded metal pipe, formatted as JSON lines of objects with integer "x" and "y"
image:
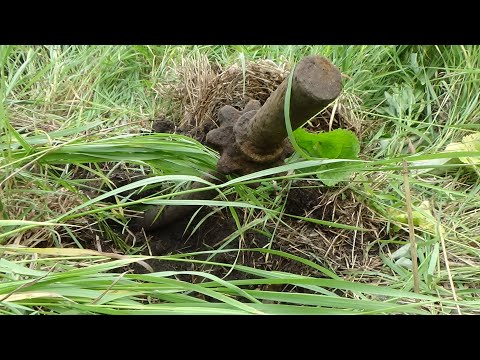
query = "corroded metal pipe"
{"x": 256, "y": 137}
{"x": 158, "y": 216}
{"x": 315, "y": 84}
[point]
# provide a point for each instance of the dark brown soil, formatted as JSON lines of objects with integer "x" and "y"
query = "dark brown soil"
{"x": 164, "y": 125}
{"x": 211, "y": 234}
{"x": 331, "y": 247}
{"x": 177, "y": 239}
{"x": 303, "y": 200}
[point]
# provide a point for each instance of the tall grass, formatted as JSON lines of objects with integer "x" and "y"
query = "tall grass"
{"x": 65, "y": 108}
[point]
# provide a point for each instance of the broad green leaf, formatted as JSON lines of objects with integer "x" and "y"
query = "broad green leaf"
{"x": 336, "y": 144}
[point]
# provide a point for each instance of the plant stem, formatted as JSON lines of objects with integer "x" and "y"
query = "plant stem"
{"x": 411, "y": 229}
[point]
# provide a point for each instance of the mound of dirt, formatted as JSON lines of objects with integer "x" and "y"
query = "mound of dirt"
{"x": 336, "y": 248}
{"x": 202, "y": 88}
{"x": 200, "y": 91}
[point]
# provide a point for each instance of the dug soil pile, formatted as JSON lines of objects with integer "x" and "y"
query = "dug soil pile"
{"x": 200, "y": 90}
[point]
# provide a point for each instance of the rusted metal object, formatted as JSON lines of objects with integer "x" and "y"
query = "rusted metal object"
{"x": 256, "y": 137}
{"x": 158, "y": 216}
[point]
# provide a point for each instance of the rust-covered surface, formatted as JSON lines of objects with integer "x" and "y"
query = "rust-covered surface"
{"x": 254, "y": 139}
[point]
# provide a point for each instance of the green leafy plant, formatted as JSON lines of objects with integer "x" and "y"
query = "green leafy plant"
{"x": 336, "y": 144}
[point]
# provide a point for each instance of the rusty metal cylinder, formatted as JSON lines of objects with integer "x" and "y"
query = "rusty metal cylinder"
{"x": 316, "y": 83}
{"x": 158, "y": 216}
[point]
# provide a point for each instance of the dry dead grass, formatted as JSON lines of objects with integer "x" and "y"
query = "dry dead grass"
{"x": 340, "y": 249}
{"x": 202, "y": 88}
